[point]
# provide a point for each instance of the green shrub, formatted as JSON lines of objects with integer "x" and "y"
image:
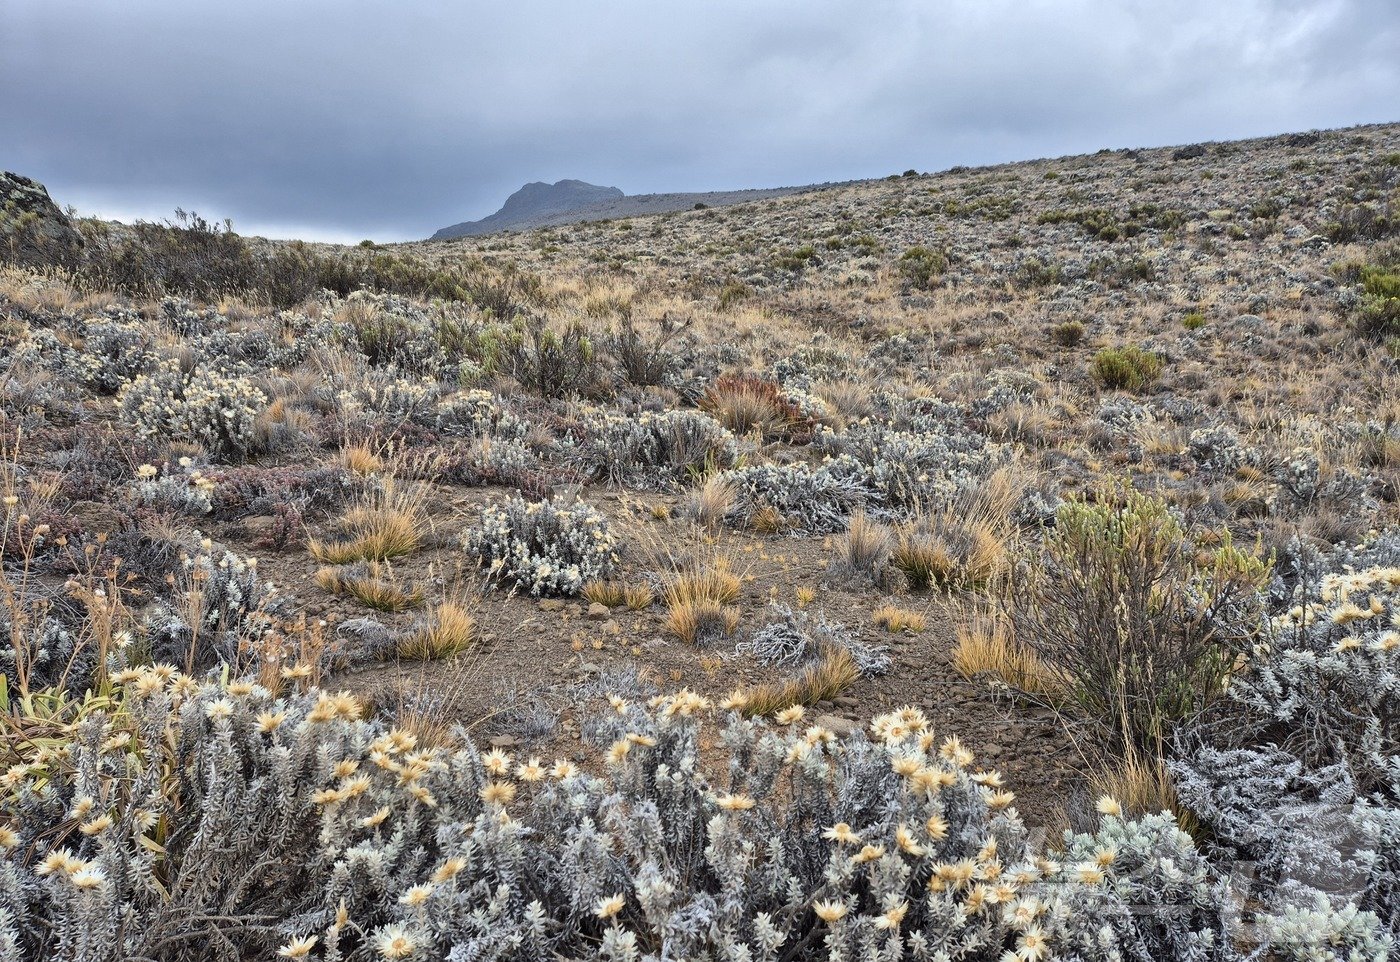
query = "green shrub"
{"x": 547, "y": 361}
{"x": 1357, "y": 222}
{"x": 1033, "y": 272}
{"x": 921, "y": 267}
{"x": 1127, "y": 368}
{"x": 1067, "y": 334}
{"x": 1194, "y": 321}
{"x": 796, "y": 259}
{"x": 1139, "y": 628}
{"x": 1096, "y": 222}
{"x": 733, "y": 292}
{"x": 1378, "y": 314}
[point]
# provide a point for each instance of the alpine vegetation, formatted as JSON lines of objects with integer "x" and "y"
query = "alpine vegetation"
{"x": 241, "y": 822}
{"x": 995, "y": 565}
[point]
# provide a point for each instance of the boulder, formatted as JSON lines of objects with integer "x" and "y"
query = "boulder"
{"x": 32, "y": 228}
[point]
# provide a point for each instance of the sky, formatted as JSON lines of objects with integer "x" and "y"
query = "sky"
{"x": 343, "y": 119}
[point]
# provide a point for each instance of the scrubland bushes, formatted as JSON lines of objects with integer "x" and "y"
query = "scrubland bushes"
{"x": 543, "y": 547}
{"x": 1140, "y": 627}
{"x": 259, "y": 824}
{"x": 191, "y": 256}
{"x": 178, "y": 783}
{"x": 1127, "y": 368}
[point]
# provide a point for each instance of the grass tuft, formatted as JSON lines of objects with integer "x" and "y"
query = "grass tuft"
{"x": 387, "y": 524}
{"x": 986, "y": 647}
{"x": 370, "y": 583}
{"x": 448, "y": 630}
{"x": 828, "y": 678}
{"x": 896, "y": 620}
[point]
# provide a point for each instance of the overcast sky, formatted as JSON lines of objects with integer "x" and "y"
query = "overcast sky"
{"x": 341, "y": 119}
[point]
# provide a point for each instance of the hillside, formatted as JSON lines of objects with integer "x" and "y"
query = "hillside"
{"x": 825, "y": 556}
{"x": 572, "y": 201}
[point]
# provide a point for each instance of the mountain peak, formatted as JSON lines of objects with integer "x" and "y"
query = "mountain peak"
{"x": 533, "y": 203}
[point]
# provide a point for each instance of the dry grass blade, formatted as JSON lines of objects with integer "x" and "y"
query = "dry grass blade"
{"x": 895, "y": 619}
{"x": 987, "y": 647}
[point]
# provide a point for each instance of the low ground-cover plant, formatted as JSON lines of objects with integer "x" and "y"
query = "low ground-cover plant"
{"x": 259, "y": 825}
{"x": 1299, "y": 770}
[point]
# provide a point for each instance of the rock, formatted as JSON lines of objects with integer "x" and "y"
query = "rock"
{"x": 1190, "y": 152}
{"x": 841, "y": 727}
{"x": 598, "y": 612}
{"x": 258, "y": 528}
{"x": 98, "y": 518}
{"x": 32, "y": 225}
{"x": 504, "y": 741}
{"x": 551, "y": 604}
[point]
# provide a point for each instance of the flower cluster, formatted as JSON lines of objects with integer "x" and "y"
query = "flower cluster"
{"x": 478, "y": 414}
{"x": 120, "y": 345}
{"x": 543, "y": 547}
{"x": 204, "y": 406}
{"x": 183, "y": 492}
{"x": 295, "y": 829}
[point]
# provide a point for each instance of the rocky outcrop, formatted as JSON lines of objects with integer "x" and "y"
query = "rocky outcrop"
{"x": 32, "y": 228}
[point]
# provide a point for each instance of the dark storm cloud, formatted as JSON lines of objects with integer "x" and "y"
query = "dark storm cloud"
{"x": 345, "y": 119}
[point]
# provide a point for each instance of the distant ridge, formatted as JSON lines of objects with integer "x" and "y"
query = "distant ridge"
{"x": 574, "y": 201}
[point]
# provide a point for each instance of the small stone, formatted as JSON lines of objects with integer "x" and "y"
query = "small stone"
{"x": 598, "y": 612}
{"x": 504, "y": 741}
{"x": 551, "y": 604}
{"x": 840, "y": 727}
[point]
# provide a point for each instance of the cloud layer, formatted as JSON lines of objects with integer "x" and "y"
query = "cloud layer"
{"x": 342, "y": 119}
